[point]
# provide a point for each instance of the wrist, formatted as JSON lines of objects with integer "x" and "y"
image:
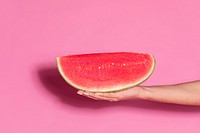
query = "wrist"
{"x": 145, "y": 93}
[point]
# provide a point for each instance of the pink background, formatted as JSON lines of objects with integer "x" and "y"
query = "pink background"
{"x": 35, "y": 99}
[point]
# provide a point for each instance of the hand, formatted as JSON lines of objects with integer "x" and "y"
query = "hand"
{"x": 187, "y": 93}
{"x": 131, "y": 93}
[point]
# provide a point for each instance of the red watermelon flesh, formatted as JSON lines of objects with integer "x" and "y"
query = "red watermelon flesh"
{"x": 106, "y": 72}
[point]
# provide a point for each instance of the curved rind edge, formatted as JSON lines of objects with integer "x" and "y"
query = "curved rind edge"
{"x": 108, "y": 90}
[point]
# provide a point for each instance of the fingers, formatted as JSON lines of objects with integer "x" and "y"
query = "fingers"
{"x": 98, "y": 96}
{"x": 87, "y": 95}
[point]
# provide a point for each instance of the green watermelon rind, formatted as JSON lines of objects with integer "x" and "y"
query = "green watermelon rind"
{"x": 106, "y": 90}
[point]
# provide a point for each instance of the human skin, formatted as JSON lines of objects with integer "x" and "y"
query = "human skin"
{"x": 187, "y": 93}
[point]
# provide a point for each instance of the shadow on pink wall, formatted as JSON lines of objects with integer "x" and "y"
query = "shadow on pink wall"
{"x": 55, "y": 84}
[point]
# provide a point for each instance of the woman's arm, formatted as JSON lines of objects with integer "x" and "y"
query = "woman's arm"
{"x": 183, "y": 93}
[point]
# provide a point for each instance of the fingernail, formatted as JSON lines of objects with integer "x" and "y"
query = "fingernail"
{"x": 79, "y": 92}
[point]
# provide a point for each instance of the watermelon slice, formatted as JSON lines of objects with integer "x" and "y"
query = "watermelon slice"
{"x": 106, "y": 72}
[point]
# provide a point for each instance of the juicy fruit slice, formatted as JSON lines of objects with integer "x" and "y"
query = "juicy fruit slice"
{"x": 106, "y": 72}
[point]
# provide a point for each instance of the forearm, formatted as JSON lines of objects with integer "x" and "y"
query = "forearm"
{"x": 184, "y": 93}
